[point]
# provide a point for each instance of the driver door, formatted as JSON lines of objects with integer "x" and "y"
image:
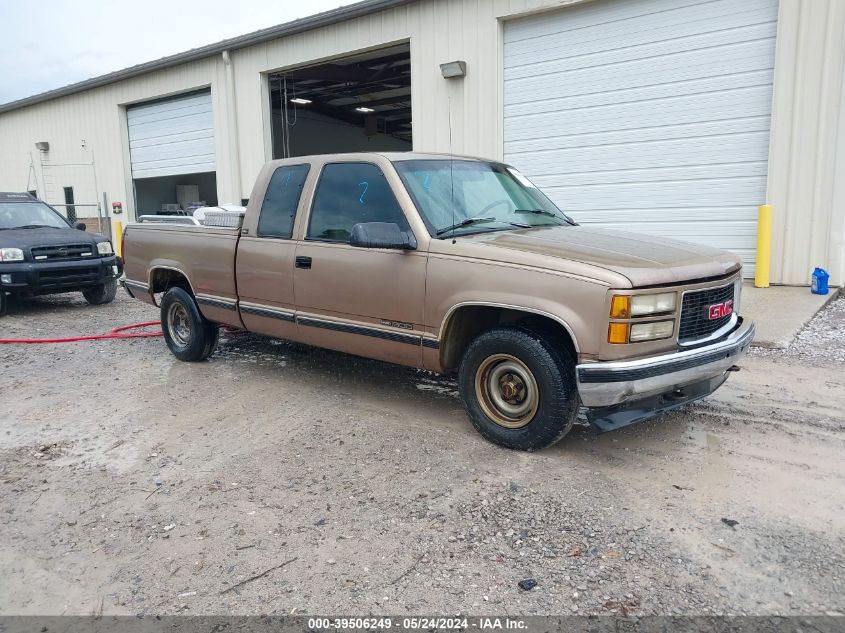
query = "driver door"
{"x": 365, "y": 301}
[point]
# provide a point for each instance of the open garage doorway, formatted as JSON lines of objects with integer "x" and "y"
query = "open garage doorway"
{"x": 171, "y": 149}
{"x": 358, "y": 103}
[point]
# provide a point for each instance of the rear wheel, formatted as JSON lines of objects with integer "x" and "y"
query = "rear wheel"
{"x": 189, "y": 335}
{"x": 518, "y": 388}
{"x": 104, "y": 293}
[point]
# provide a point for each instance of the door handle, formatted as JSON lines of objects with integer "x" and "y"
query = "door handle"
{"x": 302, "y": 262}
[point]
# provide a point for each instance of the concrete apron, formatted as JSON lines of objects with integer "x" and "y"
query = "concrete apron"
{"x": 781, "y": 311}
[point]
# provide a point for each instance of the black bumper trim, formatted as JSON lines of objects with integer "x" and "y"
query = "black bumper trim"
{"x": 622, "y": 415}
{"x": 42, "y": 278}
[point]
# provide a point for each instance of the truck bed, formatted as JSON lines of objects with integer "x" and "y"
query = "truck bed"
{"x": 203, "y": 254}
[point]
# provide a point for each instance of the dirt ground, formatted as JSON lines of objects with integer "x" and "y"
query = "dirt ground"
{"x": 131, "y": 483}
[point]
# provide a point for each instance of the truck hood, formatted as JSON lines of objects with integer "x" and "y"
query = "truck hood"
{"x": 27, "y": 238}
{"x": 645, "y": 260}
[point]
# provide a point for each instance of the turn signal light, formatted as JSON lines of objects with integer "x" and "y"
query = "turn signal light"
{"x": 620, "y": 307}
{"x": 617, "y": 333}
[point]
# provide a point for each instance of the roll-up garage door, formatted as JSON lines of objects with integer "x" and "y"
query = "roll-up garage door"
{"x": 172, "y": 137}
{"x": 648, "y": 115}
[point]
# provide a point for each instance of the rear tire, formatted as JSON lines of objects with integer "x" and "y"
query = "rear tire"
{"x": 189, "y": 335}
{"x": 102, "y": 294}
{"x": 518, "y": 388}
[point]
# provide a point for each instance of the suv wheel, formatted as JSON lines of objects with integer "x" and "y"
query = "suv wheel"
{"x": 518, "y": 389}
{"x": 189, "y": 335}
{"x": 4, "y": 303}
{"x": 104, "y": 293}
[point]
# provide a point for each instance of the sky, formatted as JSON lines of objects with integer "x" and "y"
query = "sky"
{"x": 47, "y": 44}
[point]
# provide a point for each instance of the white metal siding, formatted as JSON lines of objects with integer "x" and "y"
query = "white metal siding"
{"x": 805, "y": 167}
{"x": 172, "y": 137}
{"x": 651, "y": 115}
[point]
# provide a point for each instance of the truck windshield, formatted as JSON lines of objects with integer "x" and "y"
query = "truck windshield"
{"x": 27, "y": 215}
{"x": 466, "y": 196}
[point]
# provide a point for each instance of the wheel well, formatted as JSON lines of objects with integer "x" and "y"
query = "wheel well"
{"x": 467, "y": 322}
{"x": 163, "y": 279}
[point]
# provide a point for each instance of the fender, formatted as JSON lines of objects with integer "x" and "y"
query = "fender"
{"x": 151, "y": 273}
{"x": 506, "y": 306}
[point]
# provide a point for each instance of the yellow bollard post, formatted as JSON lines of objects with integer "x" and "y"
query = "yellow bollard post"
{"x": 764, "y": 247}
{"x": 118, "y": 235}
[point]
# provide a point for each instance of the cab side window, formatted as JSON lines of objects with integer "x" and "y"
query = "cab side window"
{"x": 281, "y": 200}
{"x": 348, "y": 194}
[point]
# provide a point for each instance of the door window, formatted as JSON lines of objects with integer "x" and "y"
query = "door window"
{"x": 348, "y": 194}
{"x": 281, "y": 200}
{"x": 69, "y": 208}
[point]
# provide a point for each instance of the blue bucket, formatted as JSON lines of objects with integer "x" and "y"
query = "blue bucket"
{"x": 818, "y": 285}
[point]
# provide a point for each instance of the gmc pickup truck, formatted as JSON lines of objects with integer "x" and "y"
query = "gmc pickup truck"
{"x": 454, "y": 265}
{"x": 41, "y": 253}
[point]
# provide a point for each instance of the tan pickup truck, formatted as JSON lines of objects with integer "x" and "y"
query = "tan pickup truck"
{"x": 454, "y": 265}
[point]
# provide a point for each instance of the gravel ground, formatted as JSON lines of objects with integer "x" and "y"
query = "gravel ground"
{"x": 131, "y": 483}
{"x": 819, "y": 343}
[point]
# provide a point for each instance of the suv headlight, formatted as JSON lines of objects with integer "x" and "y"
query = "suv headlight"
{"x": 104, "y": 248}
{"x": 11, "y": 255}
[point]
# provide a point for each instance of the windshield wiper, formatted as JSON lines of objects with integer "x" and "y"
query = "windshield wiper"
{"x": 463, "y": 223}
{"x": 35, "y": 226}
{"x": 552, "y": 214}
{"x": 537, "y": 212}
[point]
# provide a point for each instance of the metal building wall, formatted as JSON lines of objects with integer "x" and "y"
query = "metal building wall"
{"x": 98, "y": 117}
{"x": 805, "y": 158}
{"x": 806, "y": 147}
{"x": 807, "y": 151}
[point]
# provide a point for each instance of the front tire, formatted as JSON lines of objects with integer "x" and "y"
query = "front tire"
{"x": 4, "y": 303}
{"x": 189, "y": 335}
{"x": 102, "y": 294}
{"x": 518, "y": 388}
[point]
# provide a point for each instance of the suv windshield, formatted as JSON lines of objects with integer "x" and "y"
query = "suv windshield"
{"x": 24, "y": 215}
{"x": 464, "y": 196}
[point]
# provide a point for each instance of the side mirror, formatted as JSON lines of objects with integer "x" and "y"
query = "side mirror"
{"x": 382, "y": 235}
{"x": 81, "y": 226}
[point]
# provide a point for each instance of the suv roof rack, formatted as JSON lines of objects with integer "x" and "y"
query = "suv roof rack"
{"x": 11, "y": 196}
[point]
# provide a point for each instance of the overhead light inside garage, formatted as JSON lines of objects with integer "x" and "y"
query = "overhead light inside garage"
{"x": 301, "y": 101}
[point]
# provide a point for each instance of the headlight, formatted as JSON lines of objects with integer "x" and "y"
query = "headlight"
{"x": 651, "y": 331}
{"x": 104, "y": 248}
{"x": 642, "y": 305}
{"x": 11, "y": 255}
{"x": 625, "y": 306}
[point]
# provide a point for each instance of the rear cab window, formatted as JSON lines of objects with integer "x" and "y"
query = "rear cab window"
{"x": 278, "y": 210}
{"x": 348, "y": 194}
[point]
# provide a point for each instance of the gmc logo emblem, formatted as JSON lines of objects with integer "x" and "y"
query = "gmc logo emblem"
{"x": 719, "y": 310}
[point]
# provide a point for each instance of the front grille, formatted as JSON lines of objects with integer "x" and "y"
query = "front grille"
{"x": 62, "y": 277}
{"x": 62, "y": 252}
{"x": 695, "y": 312}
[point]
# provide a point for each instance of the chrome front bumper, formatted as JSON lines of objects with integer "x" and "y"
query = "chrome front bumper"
{"x": 608, "y": 384}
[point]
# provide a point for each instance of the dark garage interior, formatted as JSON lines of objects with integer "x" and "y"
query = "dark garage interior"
{"x": 354, "y": 104}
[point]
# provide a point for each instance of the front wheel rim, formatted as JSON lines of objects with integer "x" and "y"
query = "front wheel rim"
{"x": 507, "y": 391}
{"x": 179, "y": 324}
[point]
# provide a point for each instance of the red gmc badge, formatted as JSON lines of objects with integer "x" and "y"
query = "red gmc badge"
{"x": 719, "y": 310}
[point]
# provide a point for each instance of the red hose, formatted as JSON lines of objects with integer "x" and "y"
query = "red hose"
{"x": 118, "y": 332}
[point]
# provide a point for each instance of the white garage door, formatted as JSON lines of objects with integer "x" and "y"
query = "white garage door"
{"x": 649, "y": 115}
{"x": 172, "y": 137}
